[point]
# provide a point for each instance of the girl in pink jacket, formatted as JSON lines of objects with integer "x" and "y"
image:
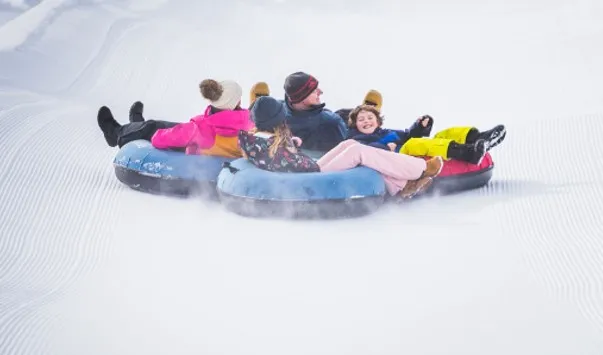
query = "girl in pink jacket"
{"x": 212, "y": 133}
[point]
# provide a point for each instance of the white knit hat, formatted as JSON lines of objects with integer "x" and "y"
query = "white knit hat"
{"x": 224, "y": 95}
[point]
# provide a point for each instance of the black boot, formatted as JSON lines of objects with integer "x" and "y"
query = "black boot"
{"x": 470, "y": 153}
{"x": 472, "y": 136}
{"x": 136, "y": 112}
{"x": 479, "y": 150}
{"x": 459, "y": 151}
{"x": 108, "y": 125}
{"x": 493, "y": 136}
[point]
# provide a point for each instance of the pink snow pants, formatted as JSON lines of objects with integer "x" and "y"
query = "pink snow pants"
{"x": 396, "y": 168}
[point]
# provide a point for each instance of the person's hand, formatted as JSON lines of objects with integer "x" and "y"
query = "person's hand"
{"x": 297, "y": 141}
{"x": 391, "y": 146}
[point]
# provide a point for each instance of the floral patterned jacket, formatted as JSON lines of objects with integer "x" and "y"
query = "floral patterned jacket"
{"x": 256, "y": 147}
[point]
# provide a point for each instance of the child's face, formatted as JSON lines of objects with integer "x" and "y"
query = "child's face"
{"x": 366, "y": 122}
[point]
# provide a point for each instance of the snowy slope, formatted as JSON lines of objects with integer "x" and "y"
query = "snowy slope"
{"x": 88, "y": 266}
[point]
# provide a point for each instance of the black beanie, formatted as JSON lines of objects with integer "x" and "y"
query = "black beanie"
{"x": 299, "y": 85}
{"x": 267, "y": 113}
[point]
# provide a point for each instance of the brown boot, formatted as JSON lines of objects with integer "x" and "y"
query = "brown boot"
{"x": 414, "y": 187}
{"x": 373, "y": 98}
{"x": 434, "y": 166}
{"x": 258, "y": 89}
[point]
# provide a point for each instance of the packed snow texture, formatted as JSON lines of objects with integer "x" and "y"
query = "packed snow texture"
{"x": 89, "y": 266}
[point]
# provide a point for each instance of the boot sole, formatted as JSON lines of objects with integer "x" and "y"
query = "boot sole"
{"x": 258, "y": 90}
{"x": 440, "y": 169}
{"x": 481, "y": 158}
{"x": 419, "y": 189}
{"x": 105, "y": 118}
{"x": 496, "y": 137}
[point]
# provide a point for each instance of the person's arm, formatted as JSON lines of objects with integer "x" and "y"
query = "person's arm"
{"x": 371, "y": 140}
{"x": 342, "y": 127}
{"x": 175, "y": 137}
{"x": 421, "y": 127}
{"x": 378, "y": 145}
{"x": 184, "y": 134}
{"x": 336, "y": 121}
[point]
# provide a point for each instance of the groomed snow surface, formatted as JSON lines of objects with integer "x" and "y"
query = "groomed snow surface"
{"x": 89, "y": 266}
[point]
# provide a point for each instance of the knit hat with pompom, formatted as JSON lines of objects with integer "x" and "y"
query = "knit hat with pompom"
{"x": 223, "y": 95}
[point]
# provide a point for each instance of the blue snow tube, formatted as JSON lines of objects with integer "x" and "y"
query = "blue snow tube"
{"x": 166, "y": 172}
{"x": 249, "y": 191}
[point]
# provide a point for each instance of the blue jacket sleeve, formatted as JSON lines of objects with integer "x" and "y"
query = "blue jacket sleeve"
{"x": 390, "y": 137}
{"x": 378, "y": 145}
{"x": 330, "y": 131}
{"x": 341, "y": 126}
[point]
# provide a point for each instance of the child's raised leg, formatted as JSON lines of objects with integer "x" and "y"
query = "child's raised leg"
{"x": 470, "y": 135}
{"x": 326, "y": 159}
{"x": 400, "y": 167}
{"x": 459, "y": 134}
{"x": 493, "y": 136}
{"x": 429, "y": 147}
{"x": 406, "y": 188}
{"x": 471, "y": 153}
{"x": 445, "y": 148}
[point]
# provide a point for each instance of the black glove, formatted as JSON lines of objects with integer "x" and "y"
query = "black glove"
{"x": 429, "y": 122}
{"x": 419, "y": 129}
